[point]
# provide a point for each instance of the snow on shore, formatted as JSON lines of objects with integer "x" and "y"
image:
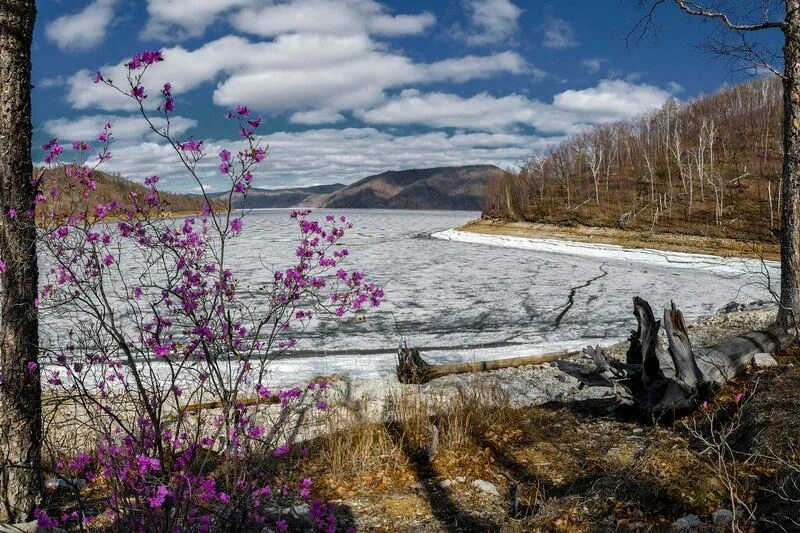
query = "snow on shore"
{"x": 713, "y": 263}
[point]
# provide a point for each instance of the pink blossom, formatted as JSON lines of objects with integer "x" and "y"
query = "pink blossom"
{"x": 163, "y": 350}
{"x": 138, "y": 92}
{"x": 156, "y": 501}
{"x": 191, "y": 146}
{"x": 53, "y": 150}
{"x": 44, "y": 521}
{"x": 148, "y": 57}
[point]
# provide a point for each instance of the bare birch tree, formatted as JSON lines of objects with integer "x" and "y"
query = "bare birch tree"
{"x": 744, "y": 20}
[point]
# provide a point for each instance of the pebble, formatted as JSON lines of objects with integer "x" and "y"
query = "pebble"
{"x": 723, "y": 517}
{"x": 764, "y": 360}
{"x": 690, "y": 522}
{"x": 486, "y": 487}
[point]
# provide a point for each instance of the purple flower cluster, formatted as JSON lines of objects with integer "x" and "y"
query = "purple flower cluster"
{"x": 168, "y": 103}
{"x": 143, "y": 59}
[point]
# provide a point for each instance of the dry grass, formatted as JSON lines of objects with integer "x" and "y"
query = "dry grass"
{"x": 557, "y": 467}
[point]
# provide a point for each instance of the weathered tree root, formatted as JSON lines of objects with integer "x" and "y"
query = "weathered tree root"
{"x": 413, "y": 369}
{"x": 663, "y": 383}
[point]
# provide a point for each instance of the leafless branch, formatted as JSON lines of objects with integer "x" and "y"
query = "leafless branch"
{"x": 696, "y": 9}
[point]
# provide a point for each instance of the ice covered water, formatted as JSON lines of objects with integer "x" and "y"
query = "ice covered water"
{"x": 461, "y": 301}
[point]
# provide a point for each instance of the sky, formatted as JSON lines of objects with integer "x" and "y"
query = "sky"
{"x": 350, "y": 88}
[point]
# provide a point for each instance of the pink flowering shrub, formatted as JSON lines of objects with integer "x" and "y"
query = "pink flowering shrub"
{"x": 158, "y": 321}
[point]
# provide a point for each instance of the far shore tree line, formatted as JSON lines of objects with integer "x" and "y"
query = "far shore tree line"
{"x": 711, "y": 166}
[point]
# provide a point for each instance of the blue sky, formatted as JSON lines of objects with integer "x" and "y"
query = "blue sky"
{"x": 350, "y": 88}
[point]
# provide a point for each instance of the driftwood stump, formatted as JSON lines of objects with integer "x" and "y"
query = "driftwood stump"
{"x": 663, "y": 382}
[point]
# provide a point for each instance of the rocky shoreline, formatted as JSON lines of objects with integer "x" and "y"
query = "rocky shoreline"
{"x": 558, "y": 381}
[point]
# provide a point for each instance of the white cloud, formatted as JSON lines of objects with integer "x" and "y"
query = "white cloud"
{"x": 296, "y": 72}
{"x": 443, "y": 110}
{"x": 319, "y": 116}
{"x": 476, "y": 67}
{"x": 570, "y": 111}
{"x": 82, "y": 30}
{"x": 611, "y": 100}
{"x": 593, "y": 65}
{"x": 558, "y": 34}
{"x": 125, "y": 127}
{"x": 176, "y": 20}
{"x": 352, "y": 82}
{"x": 675, "y": 87}
{"x": 331, "y": 17}
{"x": 491, "y": 21}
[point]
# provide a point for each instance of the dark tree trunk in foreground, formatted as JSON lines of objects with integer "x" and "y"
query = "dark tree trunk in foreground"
{"x": 790, "y": 180}
{"x": 20, "y": 391}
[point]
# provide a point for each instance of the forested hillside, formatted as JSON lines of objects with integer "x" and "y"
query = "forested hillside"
{"x": 709, "y": 167}
{"x": 110, "y": 187}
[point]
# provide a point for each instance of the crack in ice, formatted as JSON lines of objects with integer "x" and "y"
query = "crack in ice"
{"x": 571, "y": 297}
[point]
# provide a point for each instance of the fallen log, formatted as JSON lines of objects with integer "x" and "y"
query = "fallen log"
{"x": 661, "y": 382}
{"x": 413, "y": 369}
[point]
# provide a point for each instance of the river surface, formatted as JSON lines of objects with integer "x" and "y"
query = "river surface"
{"x": 462, "y": 301}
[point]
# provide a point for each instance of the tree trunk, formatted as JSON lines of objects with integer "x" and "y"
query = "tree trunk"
{"x": 413, "y": 369}
{"x": 790, "y": 180}
{"x": 20, "y": 390}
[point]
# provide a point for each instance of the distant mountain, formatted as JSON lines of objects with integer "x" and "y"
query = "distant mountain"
{"x": 297, "y": 197}
{"x": 428, "y": 188}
